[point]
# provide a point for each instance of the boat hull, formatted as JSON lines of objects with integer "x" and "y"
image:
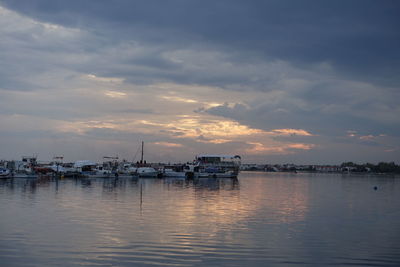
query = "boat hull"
{"x": 147, "y": 172}
{"x": 4, "y": 173}
{"x": 25, "y": 176}
{"x": 216, "y": 175}
{"x": 173, "y": 174}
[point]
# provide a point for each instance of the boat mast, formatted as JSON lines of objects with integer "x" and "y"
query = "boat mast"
{"x": 141, "y": 158}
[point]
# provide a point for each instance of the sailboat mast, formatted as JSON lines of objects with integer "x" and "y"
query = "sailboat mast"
{"x": 141, "y": 158}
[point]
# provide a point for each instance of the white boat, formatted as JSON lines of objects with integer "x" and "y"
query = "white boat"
{"x": 90, "y": 169}
{"x": 147, "y": 172}
{"x": 131, "y": 170}
{"x": 25, "y": 168}
{"x": 4, "y": 173}
{"x": 127, "y": 169}
{"x": 57, "y": 168}
{"x": 174, "y": 171}
{"x": 144, "y": 171}
{"x": 102, "y": 174}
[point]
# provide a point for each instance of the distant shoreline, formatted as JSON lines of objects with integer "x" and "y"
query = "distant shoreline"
{"x": 346, "y": 167}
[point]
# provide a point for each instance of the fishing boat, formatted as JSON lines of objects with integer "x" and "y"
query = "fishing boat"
{"x": 25, "y": 168}
{"x": 90, "y": 169}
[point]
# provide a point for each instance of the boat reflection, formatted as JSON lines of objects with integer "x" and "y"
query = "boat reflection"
{"x": 226, "y": 200}
{"x": 204, "y": 183}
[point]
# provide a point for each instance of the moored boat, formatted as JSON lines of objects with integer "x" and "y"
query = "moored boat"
{"x": 25, "y": 168}
{"x": 90, "y": 169}
{"x": 174, "y": 171}
{"x": 147, "y": 172}
{"x": 25, "y": 175}
{"x": 217, "y": 166}
{"x": 5, "y": 173}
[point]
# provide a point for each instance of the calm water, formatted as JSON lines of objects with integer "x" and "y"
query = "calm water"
{"x": 261, "y": 219}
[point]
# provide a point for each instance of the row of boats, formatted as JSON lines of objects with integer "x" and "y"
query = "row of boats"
{"x": 204, "y": 166}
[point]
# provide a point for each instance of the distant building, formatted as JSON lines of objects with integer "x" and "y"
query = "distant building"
{"x": 328, "y": 168}
{"x": 252, "y": 167}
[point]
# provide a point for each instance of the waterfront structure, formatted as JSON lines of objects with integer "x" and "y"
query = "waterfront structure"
{"x": 204, "y": 166}
{"x": 328, "y": 168}
{"x": 217, "y": 166}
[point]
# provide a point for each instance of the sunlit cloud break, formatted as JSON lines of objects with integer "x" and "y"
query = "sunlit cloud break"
{"x": 284, "y": 149}
{"x": 115, "y": 94}
{"x": 194, "y": 127}
{"x": 95, "y": 78}
{"x": 167, "y": 144}
{"x": 179, "y": 99}
{"x": 291, "y": 132}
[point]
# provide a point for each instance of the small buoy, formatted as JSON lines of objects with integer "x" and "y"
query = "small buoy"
{"x": 375, "y": 188}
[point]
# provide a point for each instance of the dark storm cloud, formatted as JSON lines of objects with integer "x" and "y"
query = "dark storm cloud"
{"x": 327, "y": 67}
{"x": 359, "y": 38}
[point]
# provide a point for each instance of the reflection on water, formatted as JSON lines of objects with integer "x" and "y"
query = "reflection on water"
{"x": 257, "y": 220}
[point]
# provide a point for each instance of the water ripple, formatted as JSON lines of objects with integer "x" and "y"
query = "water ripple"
{"x": 259, "y": 220}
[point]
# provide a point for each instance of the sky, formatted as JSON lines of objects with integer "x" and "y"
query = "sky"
{"x": 304, "y": 82}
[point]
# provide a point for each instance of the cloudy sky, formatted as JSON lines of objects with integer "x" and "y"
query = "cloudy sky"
{"x": 274, "y": 81}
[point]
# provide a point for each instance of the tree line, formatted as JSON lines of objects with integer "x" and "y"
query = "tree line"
{"x": 381, "y": 167}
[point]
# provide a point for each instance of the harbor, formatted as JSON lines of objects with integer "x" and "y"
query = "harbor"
{"x": 199, "y": 133}
{"x": 203, "y": 166}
